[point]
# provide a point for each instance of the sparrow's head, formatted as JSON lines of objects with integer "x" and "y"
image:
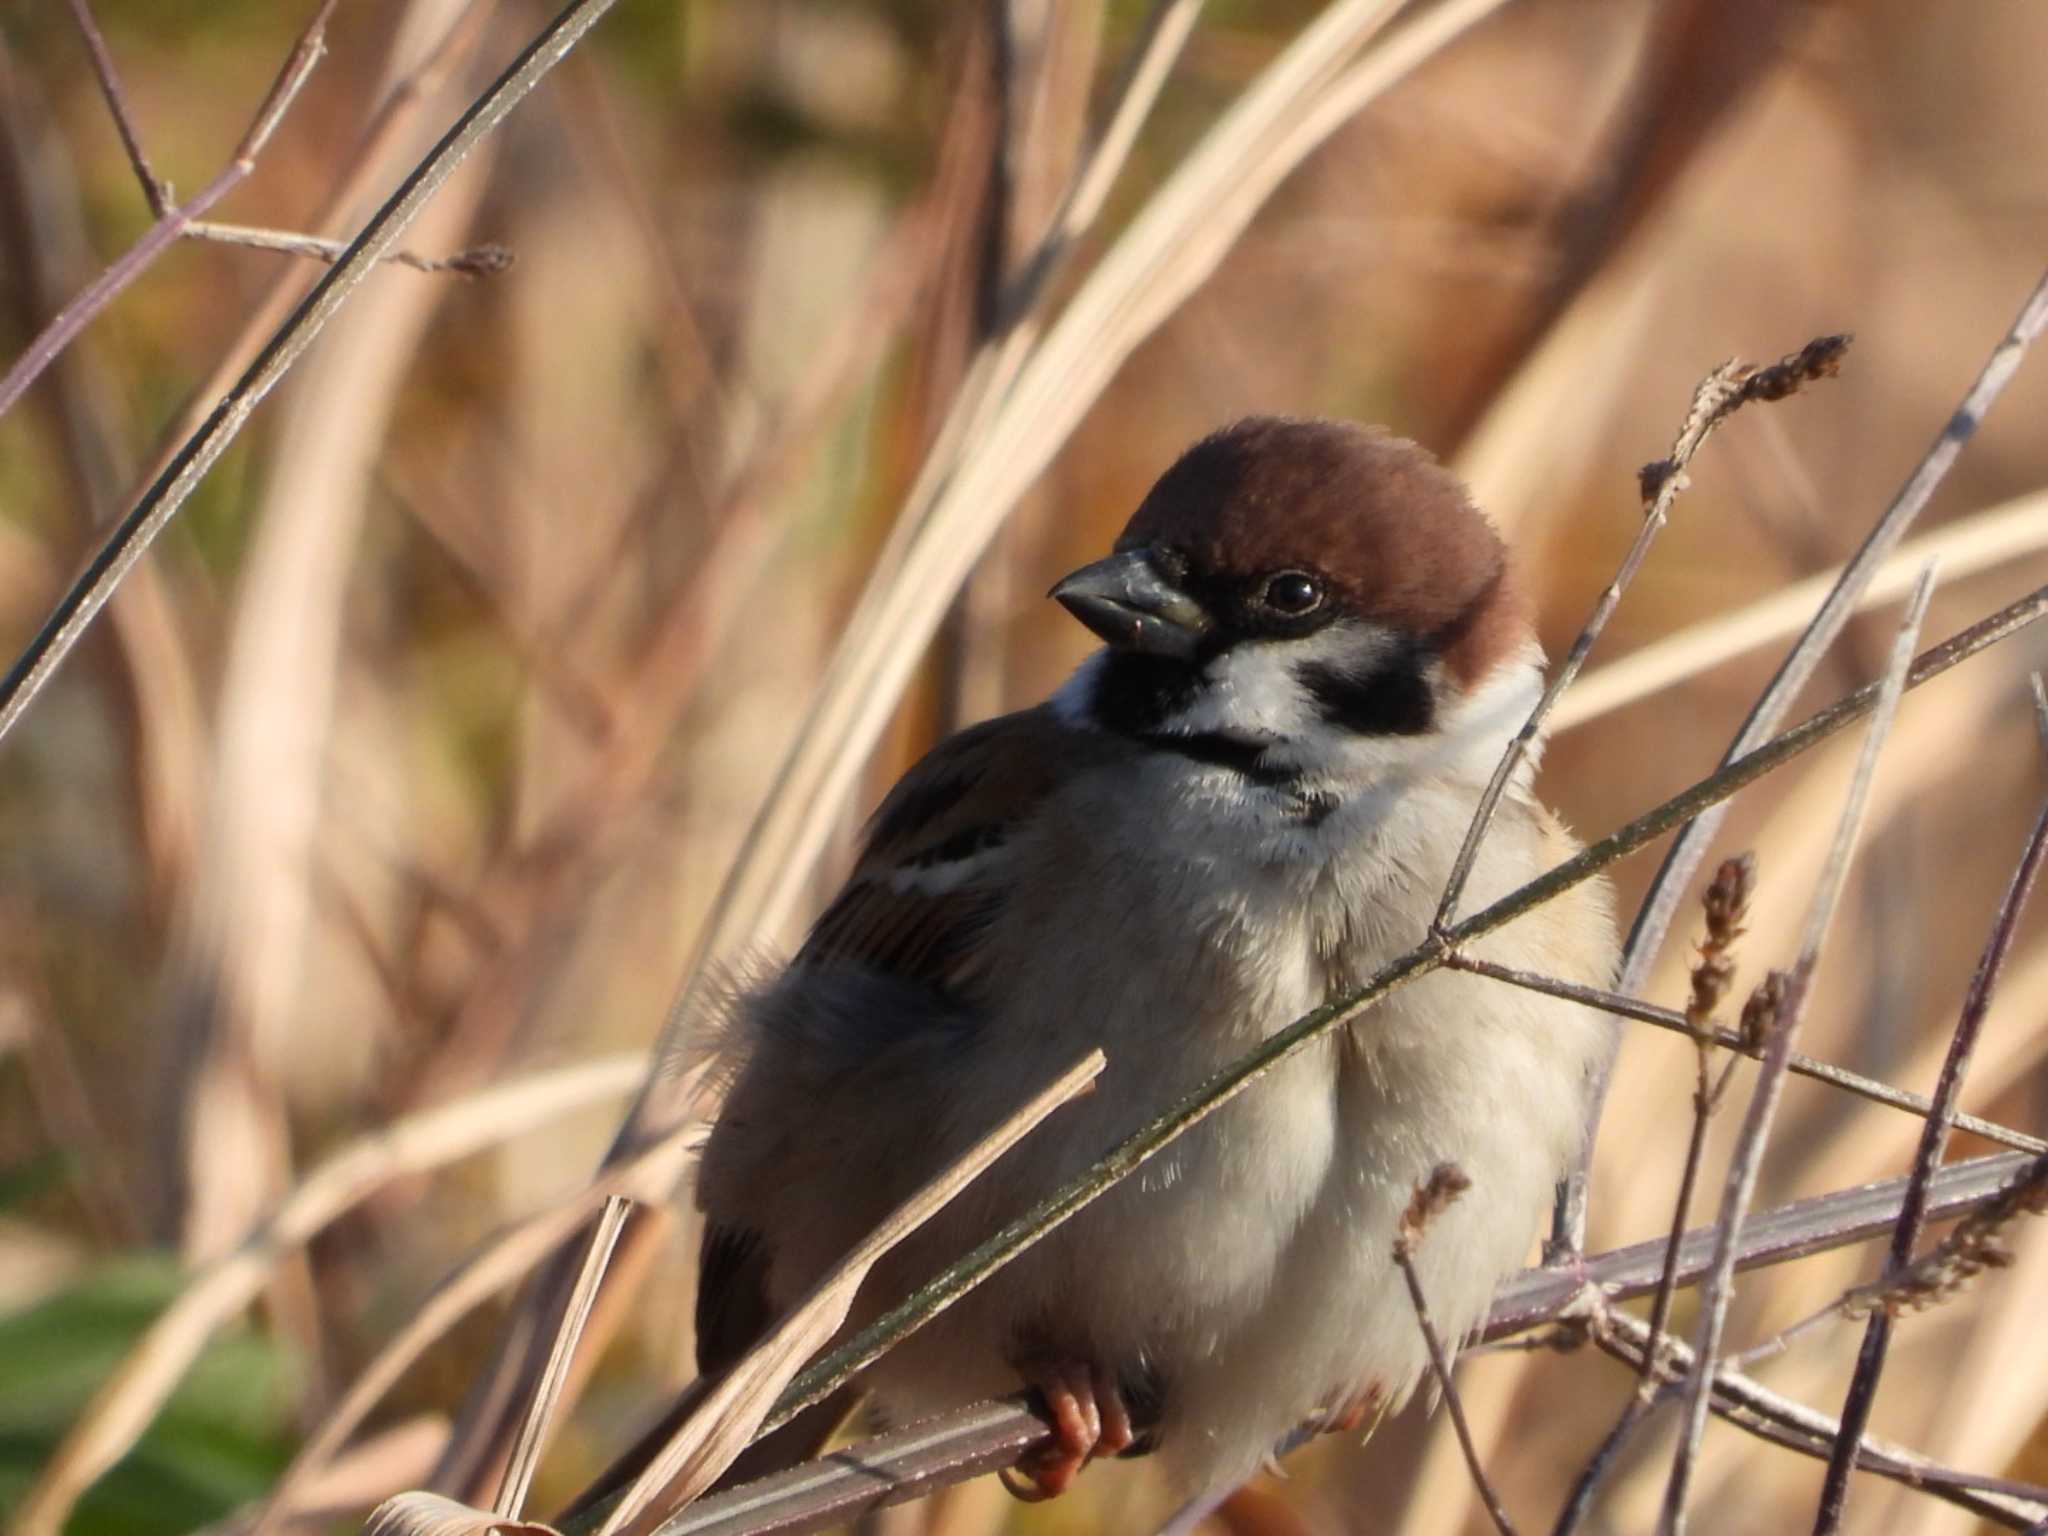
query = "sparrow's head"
{"x": 1303, "y": 595}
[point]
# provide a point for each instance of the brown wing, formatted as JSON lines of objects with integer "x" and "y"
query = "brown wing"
{"x": 938, "y": 862}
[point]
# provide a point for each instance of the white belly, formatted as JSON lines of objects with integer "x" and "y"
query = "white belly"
{"x": 1248, "y": 1264}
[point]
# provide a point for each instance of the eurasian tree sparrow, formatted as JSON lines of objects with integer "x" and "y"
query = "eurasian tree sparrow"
{"x": 1243, "y": 805}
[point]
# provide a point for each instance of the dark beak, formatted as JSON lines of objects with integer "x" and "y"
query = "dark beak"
{"x": 1124, "y": 600}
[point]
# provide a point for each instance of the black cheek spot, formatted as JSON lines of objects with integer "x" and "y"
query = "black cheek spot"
{"x": 1391, "y": 698}
{"x": 1135, "y": 692}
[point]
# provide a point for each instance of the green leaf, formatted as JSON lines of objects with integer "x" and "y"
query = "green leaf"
{"x": 221, "y": 1439}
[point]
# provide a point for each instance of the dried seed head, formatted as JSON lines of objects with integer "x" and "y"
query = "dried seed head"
{"x": 1760, "y": 1013}
{"x": 1431, "y": 1199}
{"x": 1976, "y": 1244}
{"x": 1726, "y": 901}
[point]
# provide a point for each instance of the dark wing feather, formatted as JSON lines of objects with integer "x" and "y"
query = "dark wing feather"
{"x": 937, "y": 865}
{"x": 934, "y": 874}
{"x": 733, "y": 1310}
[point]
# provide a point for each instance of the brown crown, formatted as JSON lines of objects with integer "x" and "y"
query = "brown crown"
{"x": 1390, "y": 530}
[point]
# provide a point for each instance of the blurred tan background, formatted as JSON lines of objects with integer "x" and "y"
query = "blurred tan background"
{"x": 413, "y": 757}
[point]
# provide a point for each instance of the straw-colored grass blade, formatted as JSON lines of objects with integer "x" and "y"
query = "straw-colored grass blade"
{"x": 734, "y": 1410}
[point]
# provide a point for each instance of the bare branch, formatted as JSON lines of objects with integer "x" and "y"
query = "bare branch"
{"x": 1780, "y": 1031}
{"x": 1719, "y": 395}
{"x": 1660, "y": 904}
{"x": 155, "y": 190}
{"x": 135, "y": 532}
{"x": 1431, "y": 1198}
{"x": 1752, "y": 1406}
{"x": 472, "y": 261}
{"x": 1800, "y": 1065}
{"x": 161, "y": 235}
{"x": 951, "y": 1448}
{"x": 1933, "y": 1142}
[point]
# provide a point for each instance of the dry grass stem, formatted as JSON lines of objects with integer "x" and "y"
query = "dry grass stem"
{"x": 533, "y": 1430}
{"x": 2012, "y": 531}
{"x": 474, "y": 261}
{"x": 1748, "y": 1040}
{"x": 975, "y": 1440}
{"x": 433, "y": 1514}
{"x": 1660, "y": 903}
{"x": 726, "y": 1421}
{"x": 82, "y": 602}
{"x": 1751, "y": 1406}
{"x": 490, "y": 1269}
{"x": 1747, "y": 1158}
{"x": 1718, "y": 396}
{"x": 1870, "y": 1359}
{"x": 123, "y": 1407}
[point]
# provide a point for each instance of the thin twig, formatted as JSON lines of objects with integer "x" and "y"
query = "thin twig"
{"x": 1976, "y": 1244}
{"x": 2004, "y": 534}
{"x": 1727, "y": 903}
{"x": 1430, "y": 1199}
{"x": 1799, "y": 1065}
{"x": 471, "y": 261}
{"x": 1933, "y": 1277}
{"x": 1718, "y": 396}
{"x": 1579, "y": 1501}
{"x": 102, "y": 290}
{"x": 1752, "y": 1406}
{"x": 155, "y": 191}
{"x": 1933, "y": 1142}
{"x": 125, "y": 545}
{"x": 1746, "y": 1161}
{"x": 1660, "y": 903}
{"x": 970, "y": 1441}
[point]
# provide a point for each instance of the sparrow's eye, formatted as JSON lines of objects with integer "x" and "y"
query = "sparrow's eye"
{"x": 1293, "y": 593}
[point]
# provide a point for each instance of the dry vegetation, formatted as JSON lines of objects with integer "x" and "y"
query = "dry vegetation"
{"x": 351, "y": 864}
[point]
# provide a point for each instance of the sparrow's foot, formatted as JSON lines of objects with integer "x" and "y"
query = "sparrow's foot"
{"x": 1089, "y": 1419}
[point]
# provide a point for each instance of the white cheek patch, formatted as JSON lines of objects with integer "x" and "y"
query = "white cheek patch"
{"x": 1255, "y": 688}
{"x": 1477, "y": 728}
